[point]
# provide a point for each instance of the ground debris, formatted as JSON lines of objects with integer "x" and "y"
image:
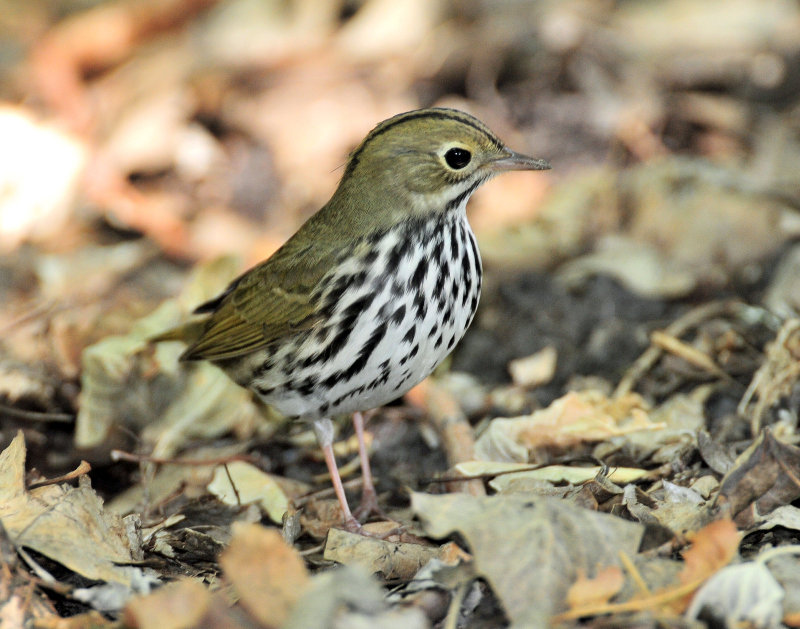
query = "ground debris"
{"x": 615, "y": 441}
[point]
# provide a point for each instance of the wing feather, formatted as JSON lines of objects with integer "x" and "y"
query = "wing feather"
{"x": 271, "y": 301}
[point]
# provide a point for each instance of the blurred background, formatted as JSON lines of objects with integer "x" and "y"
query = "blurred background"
{"x": 140, "y": 137}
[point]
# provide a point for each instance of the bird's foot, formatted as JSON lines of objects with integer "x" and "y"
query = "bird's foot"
{"x": 351, "y": 525}
{"x": 369, "y": 505}
{"x": 354, "y": 526}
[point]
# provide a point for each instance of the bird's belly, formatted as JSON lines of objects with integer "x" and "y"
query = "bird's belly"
{"x": 390, "y": 331}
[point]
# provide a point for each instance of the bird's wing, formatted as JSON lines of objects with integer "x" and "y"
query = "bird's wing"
{"x": 273, "y": 300}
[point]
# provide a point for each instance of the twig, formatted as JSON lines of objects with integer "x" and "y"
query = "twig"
{"x": 690, "y": 354}
{"x": 121, "y": 455}
{"x": 312, "y": 550}
{"x": 83, "y": 468}
{"x": 33, "y": 313}
{"x": 676, "y": 329}
{"x": 233, "y": 485}
{"x": 632, "y": 570}
{"x": 456, "y": 433}
{"x": 635, "y": 605}
{"x": 37, "y": 416}
{"x": 40, "y": 572}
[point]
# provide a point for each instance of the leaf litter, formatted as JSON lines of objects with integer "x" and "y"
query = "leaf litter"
{"x": 639, "y": 466}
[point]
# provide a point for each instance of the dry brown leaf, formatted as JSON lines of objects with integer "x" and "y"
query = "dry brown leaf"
{"x": 782, "y": 296}
{"x": 20, "y": 606}
{"x": 561, "y": 229}
{"x": 98, "y": 267}
{"x": 639, "y": 266}
{"x": 66, "y": 524}
{"x": 269, "y": 587}
{"x": 675, "y": 199}
{"x": 171, "y": 480}
{"x": 575, "y": 418}
{"x": 242, "y": 483}
{"x": 181, "y": 604}
{"x": 506, "y": 473}
{"x": 663, "y": 204}
{"x": 320, "y": 131}
{"x": 31, "y": 153}
{"x": 319, "y": 515}
{"x": 392, "y": 560}
{"x": 97, "y": 38}
{"x": 384, "y": 28}
{"x": 713, "y": 547}
{"x": 529, "y": 550}
{"x": 598, "y": 589}
{"x": 764, "y": 477}
{"x": 776, "y": 377}
{"x": 533, "y": 370}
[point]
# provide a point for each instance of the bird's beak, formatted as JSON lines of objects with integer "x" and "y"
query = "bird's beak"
{"x": 511, "y": 160}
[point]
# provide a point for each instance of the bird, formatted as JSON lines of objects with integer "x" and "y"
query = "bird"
{"x": 372, "y": 292}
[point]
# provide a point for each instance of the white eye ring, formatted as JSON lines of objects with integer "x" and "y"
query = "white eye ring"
{"x": 457, "y": 157}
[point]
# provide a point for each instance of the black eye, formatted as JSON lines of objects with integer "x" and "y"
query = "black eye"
{"x": 457, "y": 158}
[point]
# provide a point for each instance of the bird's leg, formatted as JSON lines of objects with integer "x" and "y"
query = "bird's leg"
{"x": 369, "y": 497}
{"x": 323, "y": 429}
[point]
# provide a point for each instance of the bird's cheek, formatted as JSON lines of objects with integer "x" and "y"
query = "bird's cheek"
{"x": 423, "y": 180}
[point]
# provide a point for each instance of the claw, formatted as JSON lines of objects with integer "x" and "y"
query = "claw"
{"x": 369, "y": 505}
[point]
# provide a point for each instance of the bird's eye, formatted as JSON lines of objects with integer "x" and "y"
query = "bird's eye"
{"x": 457, "y": 158}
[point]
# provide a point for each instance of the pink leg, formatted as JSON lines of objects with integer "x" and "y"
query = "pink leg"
{"x": 324, "y": 431}
{"x": 369, "y": 498}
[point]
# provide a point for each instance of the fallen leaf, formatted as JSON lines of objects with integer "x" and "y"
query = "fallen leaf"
{"x": 745, "y": 595}
{"x": 786, "y": 516}
{"x": 127, "y": 377}
{"x": 575, "y": 418}
{"x": 172, "y": 479}
{"x": 174, "y": 606}
{"x": 242, "y": 483}
{"x": 98, "y": 267}
{"x": 776, "y": 377}
{"x": 89, "y": 620}
{"x": 392, "y": 560}
{"x": 517, "y": 474}
{"x": 32, "y": 153}
{"x": 763, "y": 478}
{"x": 533, "y": 370}
{"x": 529, "y": 550}
{"x": 598, "y": 589}
{"x": 269, "y": 586}
{"x": 639, "y": 266}
{"x": 66, "y": 524}
{"x": 713, "y": 547}
{"x": 351, "y": 596}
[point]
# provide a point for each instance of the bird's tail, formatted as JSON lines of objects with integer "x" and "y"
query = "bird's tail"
{"x": 188, "y": 332}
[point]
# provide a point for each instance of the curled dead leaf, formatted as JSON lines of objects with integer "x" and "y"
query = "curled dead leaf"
{"x": 269, "y": 587}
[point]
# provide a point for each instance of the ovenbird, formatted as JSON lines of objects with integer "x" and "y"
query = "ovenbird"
{"x": 373, "y": 291}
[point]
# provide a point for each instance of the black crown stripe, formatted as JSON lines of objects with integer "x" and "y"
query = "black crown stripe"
{"x": 439, "y": 113}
